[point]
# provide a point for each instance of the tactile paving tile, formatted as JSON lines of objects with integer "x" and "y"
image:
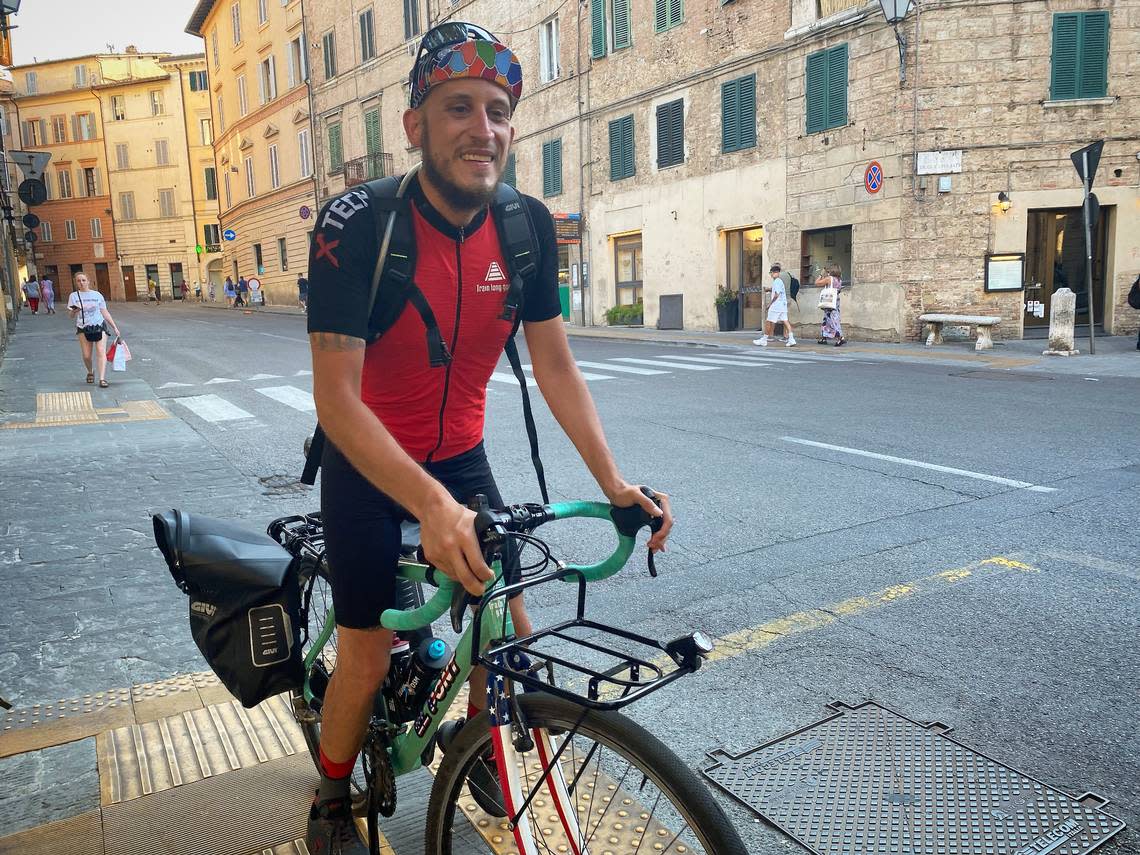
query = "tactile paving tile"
{"x": 22, "y": 717}
{"x": 869, "y": 781}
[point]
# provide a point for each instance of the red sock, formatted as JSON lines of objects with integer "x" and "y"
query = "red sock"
{"x": 472, "y": 711}
{"x": 335, "y": 770}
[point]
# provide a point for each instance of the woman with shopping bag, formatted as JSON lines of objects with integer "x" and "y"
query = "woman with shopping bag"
{"x": 89, "y": 310}
{"x": 830, "y": 328}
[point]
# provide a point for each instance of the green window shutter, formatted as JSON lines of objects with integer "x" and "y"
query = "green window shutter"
{"x": 1066, "y": 37}
{"x": 557, "y": 149}
{"x": 552, "y": 168}
{"x": 597, "y": 28}
{"x": 671, "y": 134}
{"x": 615, "y": 150}
{"x": 509, "y": 173}
{"x": 837, "y": 86}
{"x": 621, "y": 148}
{"x": 746, "y": 93}
{"x": 372, "y": 131}
{"x": 547, "y": 184}
{"x": 621, "y": 24}
{"x": 815, "y": 93}
{"x": 336, "y": 152}
{"x": 730, "y": 115}
{"x": 627, "y": 151}
{"x": 676, "y": 12}
{"x": 660, "y": 15}
{"x": 1093, "y": 55}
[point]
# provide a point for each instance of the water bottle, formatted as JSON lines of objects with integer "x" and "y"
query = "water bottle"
{"x": 427, "y": 662}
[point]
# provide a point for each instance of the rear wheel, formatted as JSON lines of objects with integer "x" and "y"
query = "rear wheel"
{"x": 624, "y": 791}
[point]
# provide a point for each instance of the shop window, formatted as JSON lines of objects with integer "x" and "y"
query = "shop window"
{"x": 628, "y": 270}
{"x": 825, "y": 250}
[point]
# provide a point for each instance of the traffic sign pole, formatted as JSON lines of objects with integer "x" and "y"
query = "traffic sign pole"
{"x": 1086, "y": 215}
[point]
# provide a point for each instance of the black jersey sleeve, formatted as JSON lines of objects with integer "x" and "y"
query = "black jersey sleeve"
{"x": 342, "y": 256}
{"x": 540, "y": 300}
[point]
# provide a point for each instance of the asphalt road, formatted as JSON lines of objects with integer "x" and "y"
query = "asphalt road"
{"x": 822, "y": 569}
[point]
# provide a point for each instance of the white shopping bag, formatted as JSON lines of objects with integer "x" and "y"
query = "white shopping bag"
{"x": 828, "y": 297}
{"x": 119, "y": 363}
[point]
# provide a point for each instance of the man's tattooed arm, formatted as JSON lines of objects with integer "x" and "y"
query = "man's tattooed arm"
{"x": 335, "y": 342}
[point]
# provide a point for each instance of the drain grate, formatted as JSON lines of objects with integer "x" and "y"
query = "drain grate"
{"x": 867, "y": 780}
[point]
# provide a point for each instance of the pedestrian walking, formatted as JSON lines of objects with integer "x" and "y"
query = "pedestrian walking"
{"x": 831, "y": 327}
{"x": 1134, "y": 302}
{"x": 32, "y": 294}
{"x": 303, "y": 291}
{"x": 229, "y": 292}
{"x": 242, "y": 292}
{"x": 213, "y": 291}
{"x": 185, "y": 290}
{"x": 198, "y": 290}
{"x": 152, "y": 292}
{"x": 47, "y": 295}
{"x": 89, "y": 309}
{"x": 777, "y": 310}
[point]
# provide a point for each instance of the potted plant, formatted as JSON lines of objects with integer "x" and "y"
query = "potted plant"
{"x": 727, "y": 309}
{"x": 627, "y": 315}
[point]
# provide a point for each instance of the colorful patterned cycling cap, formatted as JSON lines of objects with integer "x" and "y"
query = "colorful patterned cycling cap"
{"x": 455, "y": 50}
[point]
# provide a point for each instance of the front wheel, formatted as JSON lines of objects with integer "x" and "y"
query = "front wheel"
{"x": 616, "y": 788}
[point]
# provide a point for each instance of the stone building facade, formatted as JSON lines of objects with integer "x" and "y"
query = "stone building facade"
{"x": 255, "y": 50}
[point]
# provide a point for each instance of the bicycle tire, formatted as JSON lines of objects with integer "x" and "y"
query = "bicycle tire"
{"x": 689, "y": 798}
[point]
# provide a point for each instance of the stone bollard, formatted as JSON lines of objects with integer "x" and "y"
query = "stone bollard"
{"x": 1062, "y": 318}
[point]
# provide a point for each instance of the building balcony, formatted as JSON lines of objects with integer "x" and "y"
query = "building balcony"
{"x": 213, "y": 247}
{"x": 361, "y": 169}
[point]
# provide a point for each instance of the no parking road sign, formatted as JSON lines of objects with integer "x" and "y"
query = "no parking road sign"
{"x": 873, "y": 177}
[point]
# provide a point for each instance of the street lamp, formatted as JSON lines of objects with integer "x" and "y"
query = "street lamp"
{"x": 895, "y": 11}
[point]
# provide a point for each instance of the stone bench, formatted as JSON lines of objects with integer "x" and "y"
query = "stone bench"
{"x": 981, "y": 322}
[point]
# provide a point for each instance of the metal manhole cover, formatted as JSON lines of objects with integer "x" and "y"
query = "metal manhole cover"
{"x": 868, "y": 781}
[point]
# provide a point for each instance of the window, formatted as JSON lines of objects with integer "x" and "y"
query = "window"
{"x": 738, "y": 114}
{"x": 35, "y": 132}
{"x": 206, "y": 128}
{"x": 96, "y": 228}
{"x": 548, "y": 50}
{"x": 59, "y": 129}
{"x": 156, "y": 106}
{"x": 367, "y": 37}
{"x": 305, "y": 153}
{"x": 667, "y": 14}
{"x": 621, "y": 148}
{"x": 249, "y": 187}
{"x": 267, "y": 79}
{"x": 1080, "y": 55}
{"x": 552, "y": 168}
{"x": 80, "y": 76}
{"x": 411, "y": 19}
{"x": 126, "y": 206}
{"x": 31, "y": 84}
{"x": 45, "y": 231}
{"x": 826, "y": 89}
{"x": 336, "y": 151}
{"x": 199, "y": 82}
{"x": 622, "y": 31}
{"x": 235, "y": 22}
{"x": 166, "y": 203}
{"x": 243, "y": 102}
{"x": 226, "y": 181}
{"x": 262, "y": 12}
{"x": 258, "y": 258}
{"x": 221, "y": 116}
{"x": 211, "y": 176}
{"x": 328, "y": 51}
{"x": 628, "y": 269}
{"x": 122, "y": 156}
{"x": 372, "y": 131}
{"x": 214, "y": 48}
{"x": 69, "y": 229}
{"x": 90, "y": 177}
{"x": 274, "y": 168}
{"x": 597, "y": 29}
{"x": 83, "y": 126}
{"x": 298, "y": 70}
{"x": 64, "y": 176}
{"x": 161, "y": 153}
{"x": 282, "y": 254}
{"x": 47, "y": 184}
{"x": 509, "y": 176}
{"x": 118, "y": 107}
{"x": 211, "y": 235}
{"x": 671, "y": 134}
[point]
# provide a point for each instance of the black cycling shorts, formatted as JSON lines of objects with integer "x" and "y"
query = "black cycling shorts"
{"x": 362, "y": 529}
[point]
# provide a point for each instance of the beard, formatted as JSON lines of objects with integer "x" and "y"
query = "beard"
{"x": 460, "y": 198}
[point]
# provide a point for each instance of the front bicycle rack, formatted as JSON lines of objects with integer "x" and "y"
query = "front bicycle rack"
{"x": 619, "y": 668}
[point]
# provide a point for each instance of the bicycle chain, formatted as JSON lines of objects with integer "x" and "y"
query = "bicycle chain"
{"x": 381, "y": 779}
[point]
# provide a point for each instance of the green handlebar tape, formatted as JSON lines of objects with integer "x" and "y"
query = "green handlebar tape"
{"x": 400, "y": 621}
{"x": 601, "y": 511}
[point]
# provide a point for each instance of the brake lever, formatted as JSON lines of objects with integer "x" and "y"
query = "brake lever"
{"x": 460, "y": 600}
{"x": 655, "y": 525}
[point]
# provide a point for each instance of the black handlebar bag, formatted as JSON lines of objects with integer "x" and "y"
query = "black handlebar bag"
{"x": 245, "y": 602}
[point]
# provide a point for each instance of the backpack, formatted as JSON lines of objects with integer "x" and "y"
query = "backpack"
{"x": 393, "y": 288}
{"x": 793, "y": 288}
{"x": 1134, "y": 294}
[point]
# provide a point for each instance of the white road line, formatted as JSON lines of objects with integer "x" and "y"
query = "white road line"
{"x": 211, "y": 408}
{"x": 218, "y": 380}
{"x": 173, "y": 385}
{"x": 657, "y": 363}
{"x": 510, "y": 378}
{"x": 264, "y": 377}
{"x": 585, "y": 374}
{"x": 303, "y": 373}
{"x": 290, "y": 396}
{"x": 720, "y": 360}
{"x": 950, "y": 470}
{"x": 623, "y": 369}
{"x": 787, "y": 354}
{"x": 286, "y": 337}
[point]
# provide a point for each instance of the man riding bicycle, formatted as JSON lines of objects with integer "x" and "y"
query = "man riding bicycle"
{"x": 405, "y": 438}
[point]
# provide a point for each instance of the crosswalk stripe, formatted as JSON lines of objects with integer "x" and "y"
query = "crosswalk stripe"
{"x": 218, "y": 380}
{"x": 662, "y": 364}
{"x": 705, "y": 360}
{"x": 585, "y": 374}
{"x": 787, "y": 356}
{"x": 510, "y": 378}
{"x": 211, "y": 408}
{"x": 173, "y": 385}
{"x": 290, "y": 396}
{"x": 303, "y": 373}
{"x": 624, "y": 369}
{"x": 265, "y": 377}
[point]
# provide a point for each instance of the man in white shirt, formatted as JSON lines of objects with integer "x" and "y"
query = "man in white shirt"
{"x": 777, "y": 310}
